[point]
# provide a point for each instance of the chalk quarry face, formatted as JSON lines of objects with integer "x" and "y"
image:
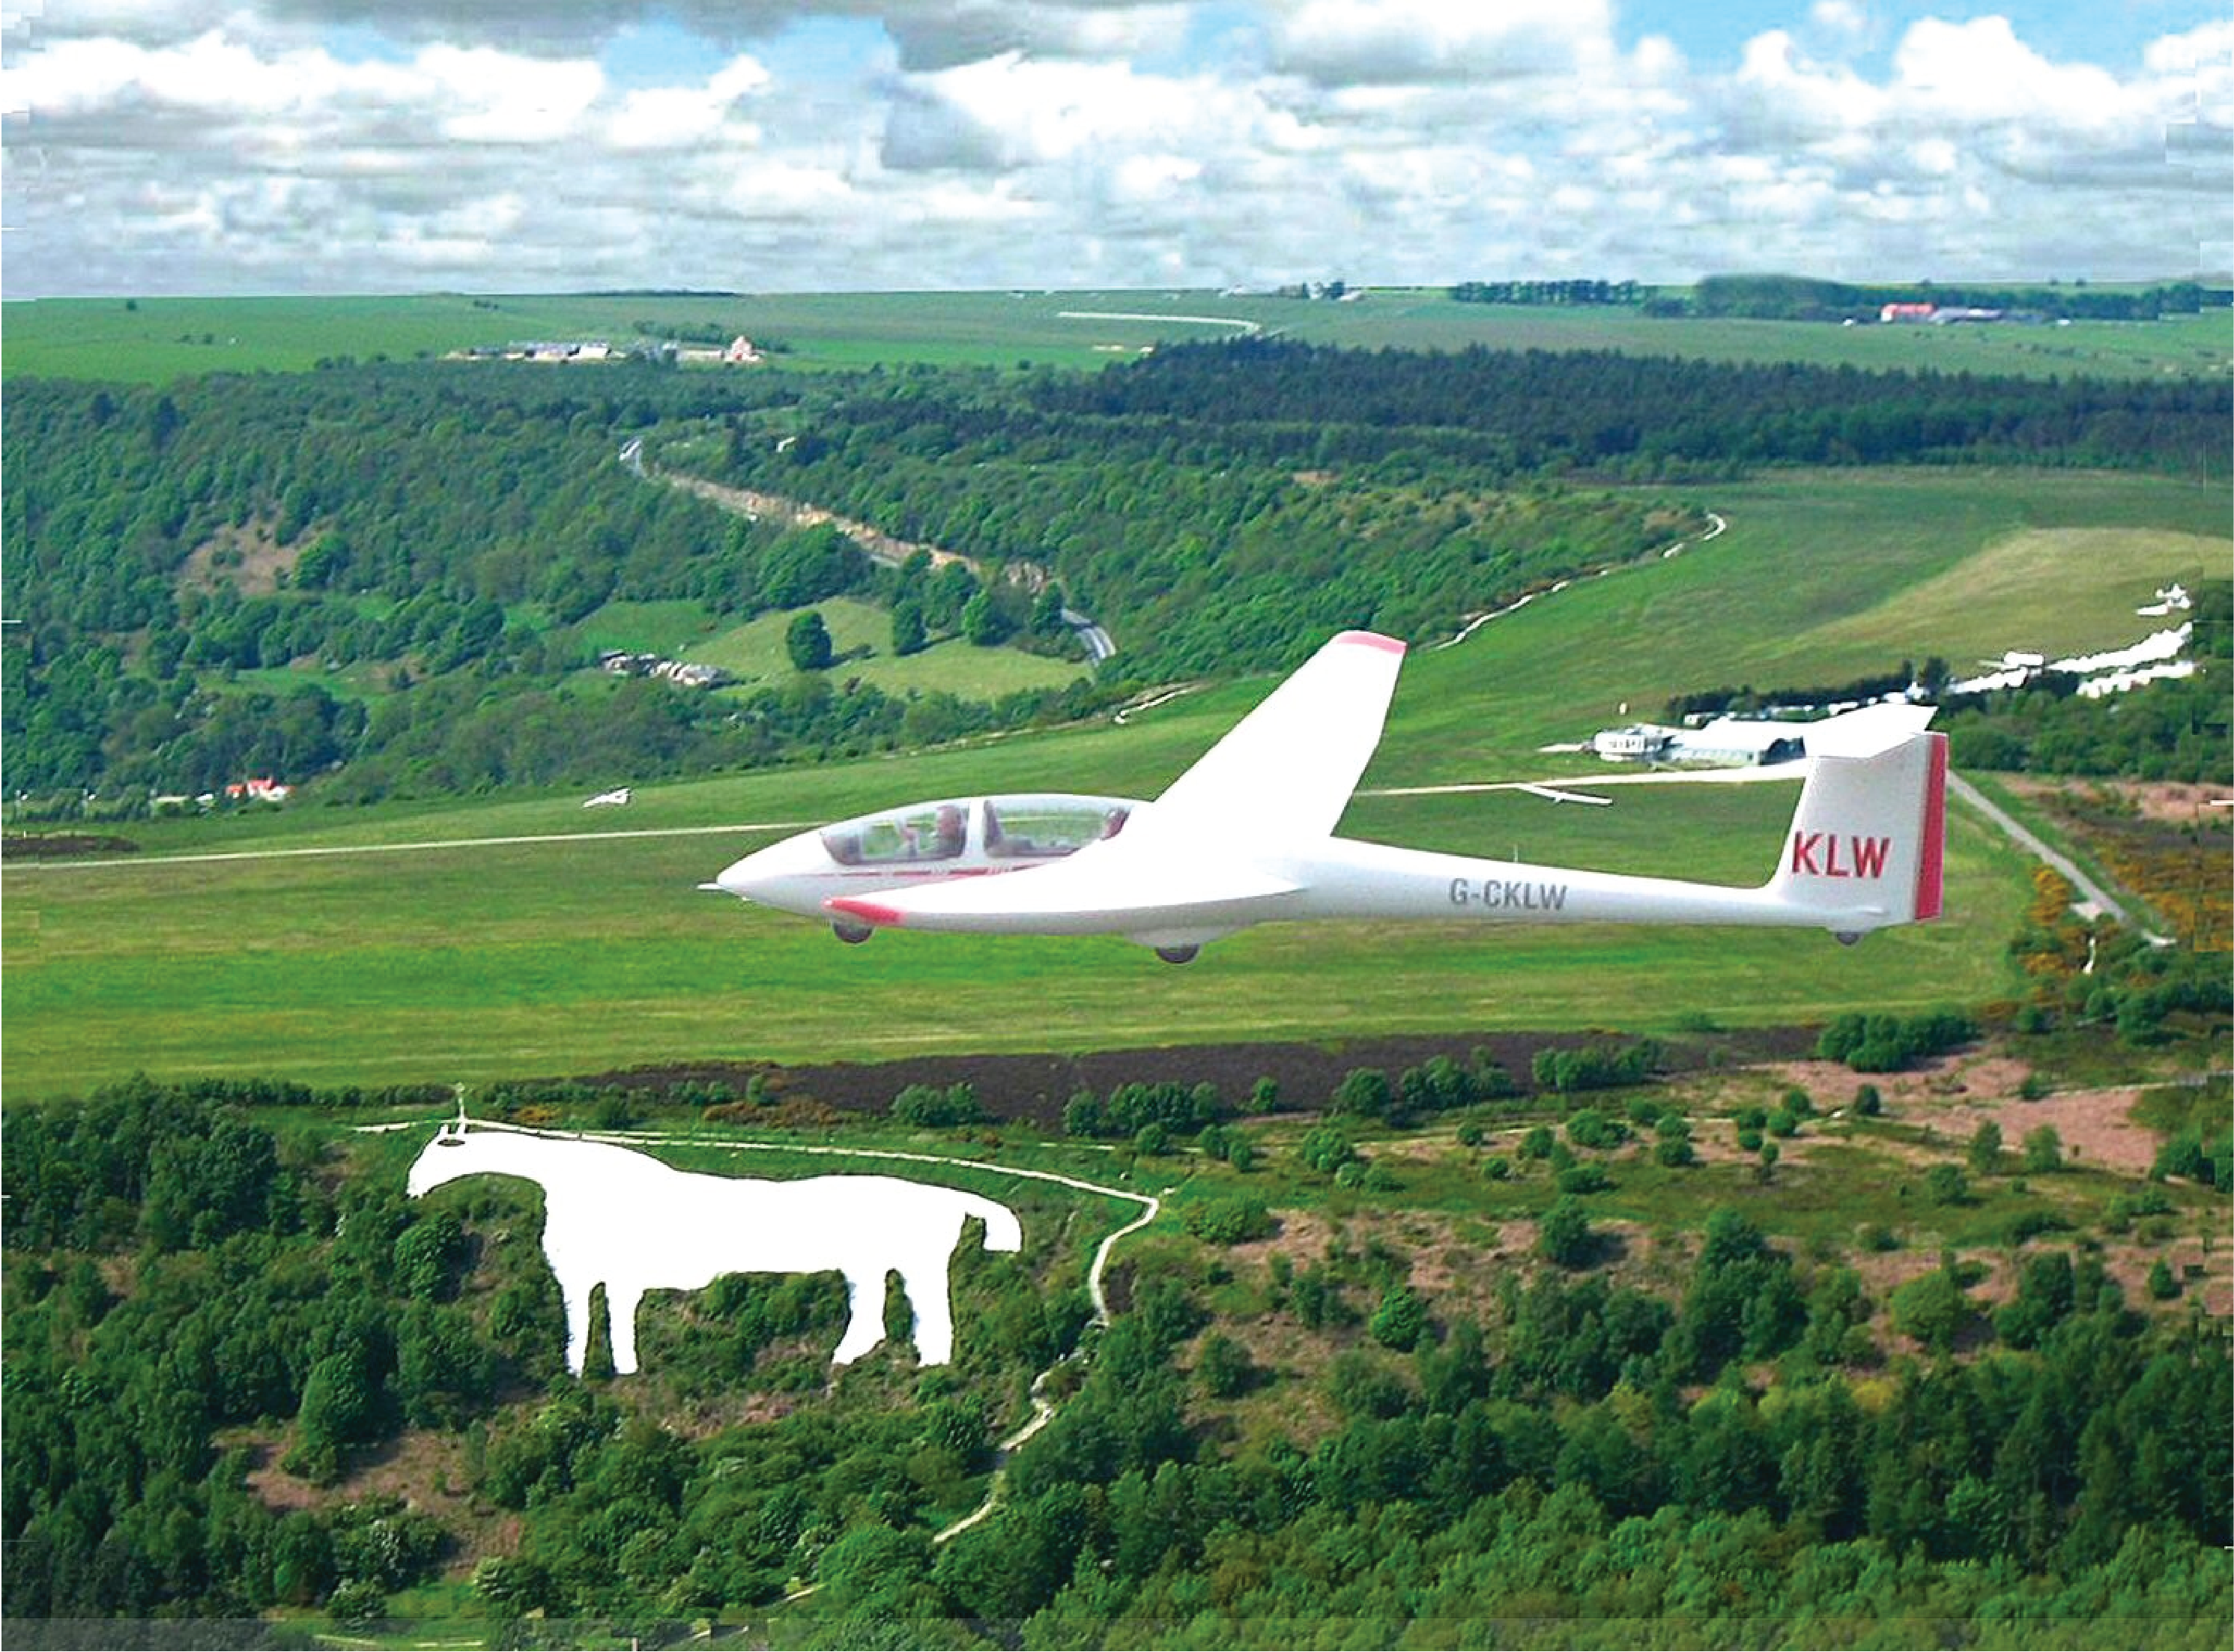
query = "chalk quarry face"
{"x": 625, "y": 1219}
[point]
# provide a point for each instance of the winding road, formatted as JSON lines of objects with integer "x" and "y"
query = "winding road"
{"x": 879, "y": 545}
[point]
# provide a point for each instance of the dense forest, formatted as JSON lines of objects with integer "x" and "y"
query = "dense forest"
{"x": 422, "y": 544}
{"x": 1643, "y": 416}
{"x": 211, "y": 1318}
{"x": 443, "y": 529}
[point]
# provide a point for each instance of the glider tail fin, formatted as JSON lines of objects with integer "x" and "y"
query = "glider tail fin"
{"x": 1868, "y": 842}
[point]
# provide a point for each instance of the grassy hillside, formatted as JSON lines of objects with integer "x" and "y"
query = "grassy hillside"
{"x": 152, "y": 340}
{"x": 477, "y": 961}
{"x": 1817, "y": 577}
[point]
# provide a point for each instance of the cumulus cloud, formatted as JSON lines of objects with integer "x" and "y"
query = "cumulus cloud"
{"x": 1339, "y": 43}
{"x": 316, "y": 144}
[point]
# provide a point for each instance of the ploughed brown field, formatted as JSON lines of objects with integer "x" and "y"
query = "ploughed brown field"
{"x": 1037, "y": 1086}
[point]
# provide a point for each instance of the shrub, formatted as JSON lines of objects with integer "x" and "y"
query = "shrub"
{"x": 928, "y": 1107}
{"x": 1597, "y": 1068}
{"x": 1931, "y": 1310}
{"x": 1984, "y": 1153}
{"x": 1399, "y": 1321}
{"x": 1538, "y": 1142}
{"x": 1326, "y": 1150}
{"x": 1867, "y": 1103}
{"x": 1233, "y": 1219}
{"x": 1223, "y": 1367}
{"x": 1591, "y": 1128}
{"x": 1437, "y": 1085}
{"x": 1566, "y": 1236}
{"x": 1584, "y": 1178}
{"x": 2043, "y": 1150}
{"x": 1947, "y": 1185}
{"x": 1887, "y": 1043}
{"x": 1364, "y": 1091}
{"x": 1675, "y": 1153}
{"x": 1496, "y": 1168}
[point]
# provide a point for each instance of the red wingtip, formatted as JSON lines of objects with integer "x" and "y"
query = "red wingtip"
{"x": 1373, "y": 639}
{"x": 1930, "y": 864}
{"x": 868, "y": 911}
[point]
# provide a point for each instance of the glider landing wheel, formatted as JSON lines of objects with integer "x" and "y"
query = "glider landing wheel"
{"x": 1178, "y": 954}
{"x": 852, "y": 934}
{"x": 1846, "y": 937}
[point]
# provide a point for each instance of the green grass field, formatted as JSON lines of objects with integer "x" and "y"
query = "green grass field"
{"x": 1820, "y": 577}
{"x": 861, "y": 632}
{"x": 561, "y": 957}
{"x": 153, "y": 340}
{"x": 564, "y": 958}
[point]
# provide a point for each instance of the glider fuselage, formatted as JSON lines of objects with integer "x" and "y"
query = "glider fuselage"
{"x": 1246, "y": 836}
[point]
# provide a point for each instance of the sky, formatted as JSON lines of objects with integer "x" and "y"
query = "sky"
{"x": 223, "y": 146}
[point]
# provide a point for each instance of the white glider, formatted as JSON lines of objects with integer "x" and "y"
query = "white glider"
{"x": 1246, "y": 836}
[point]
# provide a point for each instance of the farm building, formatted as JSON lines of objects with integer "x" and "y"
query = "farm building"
{"x": 1730, "y": 743}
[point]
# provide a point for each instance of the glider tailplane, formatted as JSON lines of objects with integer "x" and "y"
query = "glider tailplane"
{"x": 1867, "y": 843}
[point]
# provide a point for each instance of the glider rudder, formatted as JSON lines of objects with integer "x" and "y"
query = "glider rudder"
{"x": 1867, "y": 843}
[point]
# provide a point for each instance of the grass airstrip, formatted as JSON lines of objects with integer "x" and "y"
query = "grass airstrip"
{"x": 348, "y": 949}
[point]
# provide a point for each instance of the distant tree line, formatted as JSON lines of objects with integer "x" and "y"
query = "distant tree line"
{"x": 1547, "y": 292}
{"x": 1779, "y": 297}
{"x": 1586, "y": 409}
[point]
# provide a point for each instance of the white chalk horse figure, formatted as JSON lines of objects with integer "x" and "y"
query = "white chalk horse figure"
{"x": 626, "y": 1220}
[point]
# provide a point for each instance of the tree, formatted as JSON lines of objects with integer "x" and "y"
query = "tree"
{"x": 808, "y": 641}
{"x": 1931, "y": 1308}
{"x": 1984, "y": 1153}
{"x": 909, "y": 634}
{"x": 2043, "y": 1150}
{"x": 1399, "y": 1321}
{"x": 983, "y": 623}
{"x": 1223, "y": 1367}
{"x": 1364, "y": 1091}
{"x": 1565, "y": 1236}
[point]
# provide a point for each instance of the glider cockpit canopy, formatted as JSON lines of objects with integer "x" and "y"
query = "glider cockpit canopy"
{"x": 1021, "y": 826}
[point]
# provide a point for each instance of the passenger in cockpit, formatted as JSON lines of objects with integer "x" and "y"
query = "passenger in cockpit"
{"x": 947, "y": 835}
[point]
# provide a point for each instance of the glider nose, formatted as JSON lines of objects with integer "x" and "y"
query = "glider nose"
{"x": 772, "y": 876}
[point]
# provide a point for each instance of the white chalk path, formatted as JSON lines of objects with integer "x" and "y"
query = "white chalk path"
{"x": 1718, "y": 526}
{"x": 1043, "y": 1410}
{"x": 1243, "y": 322}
